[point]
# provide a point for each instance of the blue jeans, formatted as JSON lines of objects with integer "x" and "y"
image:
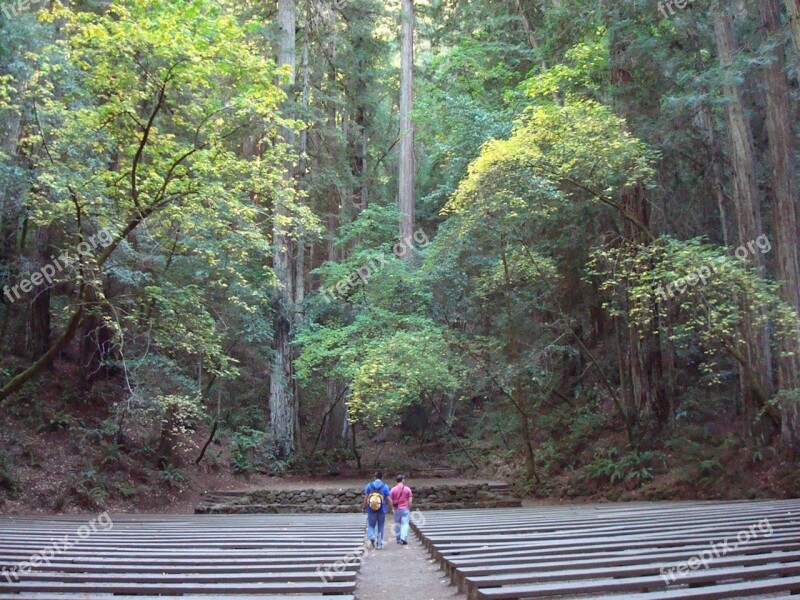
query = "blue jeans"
{"x": 401, "y": 518}
{"x": 376, "y": 518}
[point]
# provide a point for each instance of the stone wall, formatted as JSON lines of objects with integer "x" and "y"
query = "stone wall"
{"x": 342, "y": 500}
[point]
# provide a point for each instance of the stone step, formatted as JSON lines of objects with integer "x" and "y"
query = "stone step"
{"x": 348, "y": 499}
{"x": 233, "y": 509}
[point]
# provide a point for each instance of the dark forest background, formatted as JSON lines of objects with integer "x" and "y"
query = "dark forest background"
{"x": 549, "y": 240}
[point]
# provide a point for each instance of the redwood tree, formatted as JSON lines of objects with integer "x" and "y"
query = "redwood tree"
{"x": 406, "y": 198}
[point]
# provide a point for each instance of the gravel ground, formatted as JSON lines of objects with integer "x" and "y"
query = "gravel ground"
{"x": 403, "y": 572}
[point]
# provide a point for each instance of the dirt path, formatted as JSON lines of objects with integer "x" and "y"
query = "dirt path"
{"x": 403, "y": 572}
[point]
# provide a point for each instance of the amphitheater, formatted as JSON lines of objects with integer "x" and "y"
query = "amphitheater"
{"x": 472, "y": 540}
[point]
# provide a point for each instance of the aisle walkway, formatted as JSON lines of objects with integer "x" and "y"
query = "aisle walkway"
{"x": 403, "y": 573}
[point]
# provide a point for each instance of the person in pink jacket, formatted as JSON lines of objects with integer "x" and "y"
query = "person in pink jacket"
{"x": 401, "y": 497}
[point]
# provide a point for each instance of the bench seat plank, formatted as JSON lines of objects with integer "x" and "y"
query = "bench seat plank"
{"x": 96, "y": 596}
{"x": 153, "y": 589}
{"x": 635, "y": 584}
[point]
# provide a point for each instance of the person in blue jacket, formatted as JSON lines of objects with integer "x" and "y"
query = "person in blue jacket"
{"x": 376, "y": 504}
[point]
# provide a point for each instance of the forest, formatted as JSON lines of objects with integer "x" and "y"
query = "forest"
{"x": 554, "y": 241}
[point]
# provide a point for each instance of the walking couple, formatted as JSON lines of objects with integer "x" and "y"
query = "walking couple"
{"x": 378, "y": 499}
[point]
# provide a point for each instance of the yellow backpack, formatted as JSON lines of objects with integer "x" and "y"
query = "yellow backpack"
{"x": 375, "y": 499}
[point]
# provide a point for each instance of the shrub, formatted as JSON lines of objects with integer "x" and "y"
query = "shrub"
{"x": 8, "y": 480}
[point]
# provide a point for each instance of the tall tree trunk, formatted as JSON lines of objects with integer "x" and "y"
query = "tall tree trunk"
{"x": 530, "y": 31}
{"x": 783, "y": 163}
{"x": 359, "y": 152}
{"x": 793, "y": 6}
{"x": 706, "y": 126}
{"x": 96, "y": 342}
{"x": 756, "y": 380}
{"x": 282, "y": 399}
{"x": 39, "y": 329}
{"x": 167, "y": 441}
{"x": 650, "y": 394}
{"x": 406, "y": 198}
{"x": 335, "y": 429}
{"x": 10, "y": 129}
{"x": 623, "y": 367}
{"x": 336, "y": 212}
{"x": 360, "y": 199}
{"x": 301, "y": 249}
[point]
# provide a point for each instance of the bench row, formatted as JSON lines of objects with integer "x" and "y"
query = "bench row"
{"x": 264, "y": 556}
{"x": 621, "y": 550}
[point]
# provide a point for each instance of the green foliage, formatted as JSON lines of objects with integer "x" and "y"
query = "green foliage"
{"x": 389, "y": 360}
{"x": 704, "y": 458}
{"x": 499, "y": 262}
{"x": 397, "y": 370}
{"x": 87, "y": 488}
{"x": 580, "y": 146}
{"x": 6, "y": 92}
{"x": 141, "y": 111}
{"x": 57, "y": 420}
{"x": 588, "y": 420}
{"x": 460, "y": 104}
{"x": 254, "y": 451}
{"x": 788, "y": 399}
{"x": 635, "y": 467}
{"x": 583, "y": 73}
{"x": 173, "y": 477}
{"x": 165, "y": 51}
{"x": 245, "y": 445}
{"x": 571, "y": 164}
{"x": 549, "y": 457}
{"x": 708, "y": 312}
{"x": 128, "y": 492}
{"x": 180, "y": 413}
{"x": 112, "y": 454}
{"x": 107, "y": 430}
{"x": 40, "y": 417}
{"x": 688, "y": 449}
{"x": 709, "y": 467}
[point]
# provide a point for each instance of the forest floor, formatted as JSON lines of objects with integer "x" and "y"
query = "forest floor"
{"x": 59, "y": 458}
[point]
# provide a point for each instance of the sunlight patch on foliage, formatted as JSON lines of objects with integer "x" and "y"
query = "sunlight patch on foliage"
{"x": 580, "y": 148}
{"x": 389, "y": 360}
{"x": 708, "y": 314}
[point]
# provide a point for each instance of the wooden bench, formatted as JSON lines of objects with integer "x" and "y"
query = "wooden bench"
{"x": 600, "y": 560}
{"x": 300, "y": 557}
{"x": 57, "y": 596}
{"x": 619, "y": 550}
{"x": 639, "y": 584}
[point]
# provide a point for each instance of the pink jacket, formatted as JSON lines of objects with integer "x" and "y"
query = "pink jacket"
{"x": 401, "y": 495}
